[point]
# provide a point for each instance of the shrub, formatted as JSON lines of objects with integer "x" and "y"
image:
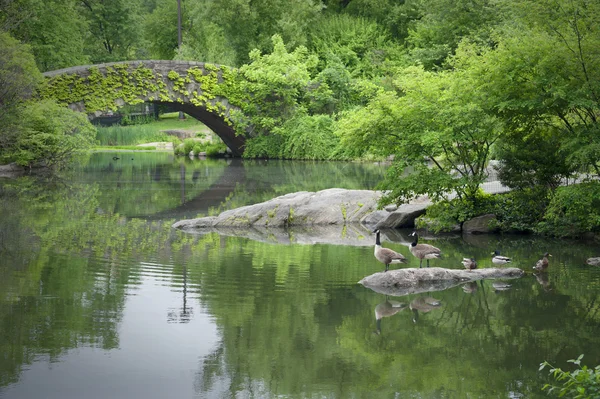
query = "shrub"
{"x": 572, "y": 211}
{"x": 52, "y": 135}
{"x": 444, "y": 215}
{"x": 582, "y": 383}
{"x": 521, "y": 210}
{"x": 188, "y": 145}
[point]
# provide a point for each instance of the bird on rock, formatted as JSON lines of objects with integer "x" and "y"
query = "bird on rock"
{"x": 386, "y": 255}
{"x": 423, "y": 251}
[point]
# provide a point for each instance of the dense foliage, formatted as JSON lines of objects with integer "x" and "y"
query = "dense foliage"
{"x": 35, "y": 133}
{"x": 582, "y": 383}
{"x": 440, "y": 86}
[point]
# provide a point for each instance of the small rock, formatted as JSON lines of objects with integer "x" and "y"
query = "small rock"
{"x": 480, "y": 225}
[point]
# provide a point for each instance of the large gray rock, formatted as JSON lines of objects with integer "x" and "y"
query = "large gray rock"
{"x": 327, "y": 207}
{"x": 332, "y": 206}
{"x": 400, "y": 282}
{"x": 398, "y": 217}
{"x": 480, "y": 225}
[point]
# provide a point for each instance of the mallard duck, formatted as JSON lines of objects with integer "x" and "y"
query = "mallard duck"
{"x": 499, "y": 259}
{"x": 542, "y": 264}
{"x": 423, "y": 251}
{"x": 386, "y": 255}
{"x": 469, "y": 263}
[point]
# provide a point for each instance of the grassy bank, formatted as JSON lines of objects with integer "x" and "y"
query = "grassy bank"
{"x": 148, "y": 133}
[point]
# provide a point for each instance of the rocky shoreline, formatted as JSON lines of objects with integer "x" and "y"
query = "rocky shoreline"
{"x": 331, "y": 207}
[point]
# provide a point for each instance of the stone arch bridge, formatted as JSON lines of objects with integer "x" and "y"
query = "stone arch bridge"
{"x": 207, "y": 92}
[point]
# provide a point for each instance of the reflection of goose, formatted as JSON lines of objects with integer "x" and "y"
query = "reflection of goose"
{"x": 423, "y": 251}
{"x": 386, "y": 255}
{"x": 423, "y": 305}
{"x": 542, "y": 264}
{"x": 470, "y": 287}
{"x": 500, "y": 286}
{"x": 499, "y": 259}
{"x": 469, "y": 263}
{"x": 387, "y": 309}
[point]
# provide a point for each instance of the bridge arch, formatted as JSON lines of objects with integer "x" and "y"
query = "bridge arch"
{"x": 207, "y": 92}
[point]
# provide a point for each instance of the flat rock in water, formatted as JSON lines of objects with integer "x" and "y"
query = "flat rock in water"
{"x": 333, "y": 206}
{"x": 400, "y": 282}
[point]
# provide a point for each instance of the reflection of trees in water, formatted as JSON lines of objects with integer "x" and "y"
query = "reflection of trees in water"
{"x": 474, "y": 330}
{"x": 285, "y": 327}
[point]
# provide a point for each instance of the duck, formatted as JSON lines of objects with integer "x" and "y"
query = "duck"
{"x": 542, "y": 264}
{"x": 499, "y": 259}
{"x": 469, "y": 263}
{"x": 115, "y": 158}
{"x": 387, "y": 309}
{"x": 423, "y": 251}
{"x": 386, "y": 255}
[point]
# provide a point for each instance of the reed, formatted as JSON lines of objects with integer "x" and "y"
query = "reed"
{"x": 129, "y": 135}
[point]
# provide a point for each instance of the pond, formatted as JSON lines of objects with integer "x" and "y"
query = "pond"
{"x": 101, "y": 298}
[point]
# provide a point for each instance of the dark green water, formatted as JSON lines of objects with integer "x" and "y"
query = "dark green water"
{"x": 100, "y": 298}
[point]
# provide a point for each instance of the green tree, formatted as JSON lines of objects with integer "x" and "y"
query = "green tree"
{"x": 55, "y": 30}
{"x": 444, "y": 23}
{"x": 275, "y": 84}
{"x": 545, "y": 75}
{"x": 52, "y": 135}
{"x": 440, "y": 137}
{"x": 31, "y": 132}
{"x": 243, "y": 25}
{"x": 160, "y": 29}
{"x": 19, "y": 78}
{"x": 359, "y": 43}
{"x": 115, "y": 29}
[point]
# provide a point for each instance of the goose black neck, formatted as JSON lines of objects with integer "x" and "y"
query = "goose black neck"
{"x": 377, "y": 241}
{"x": 416, "y": 240}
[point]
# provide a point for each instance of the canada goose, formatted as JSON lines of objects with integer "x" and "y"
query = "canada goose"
{"x": 542, "y": 264}
{"x": 424, "y": 251}
{"x": 423, "y": 305}
{"x": 499, "y": 259}
{"x": 469, "y": 263}
{"x": 387, "y": 309}
{"x": 386, "y": 255}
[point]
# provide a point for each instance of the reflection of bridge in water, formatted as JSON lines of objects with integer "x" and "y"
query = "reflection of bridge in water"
{"x": 233, "y": 174}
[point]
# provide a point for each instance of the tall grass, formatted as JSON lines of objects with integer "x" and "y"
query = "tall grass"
{"x": 147, "y": 133}
{"x": 129, "y": 135}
